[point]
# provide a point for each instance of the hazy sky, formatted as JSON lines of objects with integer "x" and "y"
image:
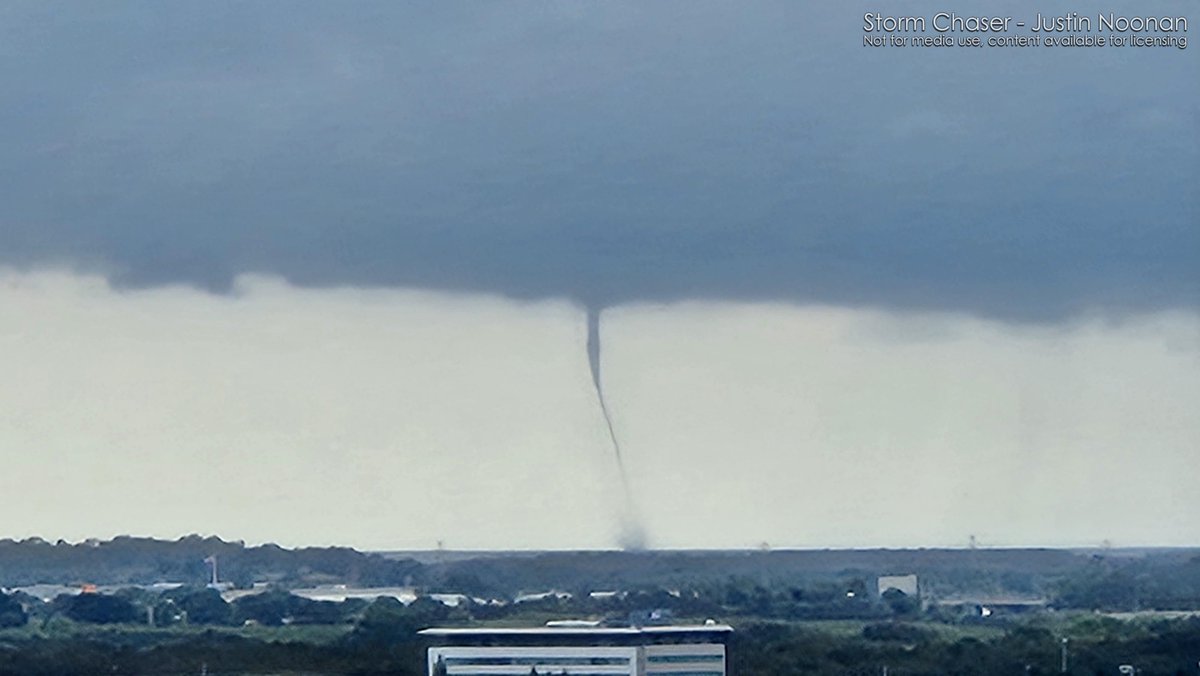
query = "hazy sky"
{"x": 313, "y": 273}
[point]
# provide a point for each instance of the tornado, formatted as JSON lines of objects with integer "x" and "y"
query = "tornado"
{"x": 633, "y": 535}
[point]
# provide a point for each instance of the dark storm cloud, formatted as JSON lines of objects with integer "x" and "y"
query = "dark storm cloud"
{"x": 604, "y": 151}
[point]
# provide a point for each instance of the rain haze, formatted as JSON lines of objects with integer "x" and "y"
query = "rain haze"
{"x": 324, "y": 274}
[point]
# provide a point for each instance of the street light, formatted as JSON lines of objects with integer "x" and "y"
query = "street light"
{"x": 1063, "y": 666}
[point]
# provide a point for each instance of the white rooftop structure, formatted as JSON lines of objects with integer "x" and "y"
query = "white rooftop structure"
{"x": 557, "y": 629}
{"x": 567, "y": 648}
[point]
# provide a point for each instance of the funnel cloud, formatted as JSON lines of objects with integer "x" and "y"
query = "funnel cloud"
{"x": 633, "y": 533}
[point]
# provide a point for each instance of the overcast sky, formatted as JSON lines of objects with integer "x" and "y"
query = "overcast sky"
{"x": 265, "y": 260}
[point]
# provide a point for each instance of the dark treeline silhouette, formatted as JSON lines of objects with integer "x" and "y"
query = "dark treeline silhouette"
{"x": 130, "y": 560}
{"x": 1166, "y": 579}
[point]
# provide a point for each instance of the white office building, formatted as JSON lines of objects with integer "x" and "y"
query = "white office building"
{"x": 694, "y": 650}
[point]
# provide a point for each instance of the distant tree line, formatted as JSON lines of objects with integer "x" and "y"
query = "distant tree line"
{"x": 1103, "y": 584}
{"x": 941, "y": 570}
{"x": 1115, "y": 584}
{"x": 178, "y": 607}
{"x": 129, "y": 560}
{"x": 774, "y": 584}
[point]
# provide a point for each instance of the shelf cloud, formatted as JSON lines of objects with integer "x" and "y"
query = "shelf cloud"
{"x": 607, "y": 152}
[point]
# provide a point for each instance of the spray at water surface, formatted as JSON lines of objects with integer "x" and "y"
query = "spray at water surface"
{"x": 633, "y": 535}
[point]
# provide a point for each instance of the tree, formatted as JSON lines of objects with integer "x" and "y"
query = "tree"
{"x": 11, "y": 612}
{"x": 900, "y": 603}
{"x": 307, "y": 611}
{"x": 204, "y": 606}
{"x": 384, "y": 622}
{"x": 894, "y": 631}
{"x": 269, "y": 608}
{"x": 98, "y": 608}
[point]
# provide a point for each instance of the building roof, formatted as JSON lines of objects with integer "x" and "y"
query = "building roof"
{"x": 577, "y": 632}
